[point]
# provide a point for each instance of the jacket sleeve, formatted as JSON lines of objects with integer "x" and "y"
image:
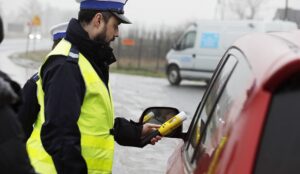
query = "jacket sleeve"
{"x": 60, "y": 135}
{"x": 30, "y": 108}
{"x": 127, "y": 133}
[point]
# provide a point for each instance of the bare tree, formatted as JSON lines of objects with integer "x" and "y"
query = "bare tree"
{"x": 30, "y": 9}
{"x": 245, "y": 9}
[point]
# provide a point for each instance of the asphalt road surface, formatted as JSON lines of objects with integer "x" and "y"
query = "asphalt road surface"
{"x": 132, "y": 94}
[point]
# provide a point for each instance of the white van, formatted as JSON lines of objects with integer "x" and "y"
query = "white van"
{"x": 198, "y": 51}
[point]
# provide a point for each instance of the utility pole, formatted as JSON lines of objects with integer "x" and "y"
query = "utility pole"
{"x": 222, "y": 4}
{"x": 286, "y": 9}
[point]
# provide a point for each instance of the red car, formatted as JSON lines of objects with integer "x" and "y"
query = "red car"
{"x": 249, "y": 118}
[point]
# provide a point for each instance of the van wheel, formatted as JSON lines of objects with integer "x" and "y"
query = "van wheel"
{"x": 174, "y": 75}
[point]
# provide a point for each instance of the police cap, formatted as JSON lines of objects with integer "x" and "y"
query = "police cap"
{"x": 116, "y": 7}
{"x": 59, "y": 31}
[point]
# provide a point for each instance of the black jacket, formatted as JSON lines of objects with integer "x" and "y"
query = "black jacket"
{"x": 64, "y": 90}
{"x": 13, "y": 155}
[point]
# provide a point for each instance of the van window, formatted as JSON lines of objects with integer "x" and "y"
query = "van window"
{"x": 210, "y": 40}
{"x": 188, "y": 41}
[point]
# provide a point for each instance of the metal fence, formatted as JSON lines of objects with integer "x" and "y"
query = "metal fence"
{"x": 147, "y": 49}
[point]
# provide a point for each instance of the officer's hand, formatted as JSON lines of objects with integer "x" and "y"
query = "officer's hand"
{"x": 148, "y": 128}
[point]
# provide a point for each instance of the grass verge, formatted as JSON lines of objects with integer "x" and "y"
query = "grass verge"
{"x": 39, "y": 56}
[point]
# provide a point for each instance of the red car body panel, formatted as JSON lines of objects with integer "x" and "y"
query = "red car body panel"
{"x": 272, "y": 58}
{"x": 176, "y": 159}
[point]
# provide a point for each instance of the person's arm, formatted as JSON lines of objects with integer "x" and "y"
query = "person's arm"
{"x": 30, "y": 108}
{"x": 64, "y": 91}
{"x": 13, "y": 158}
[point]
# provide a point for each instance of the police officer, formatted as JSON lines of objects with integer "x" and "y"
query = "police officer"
{"x": 58, "y": 32}
{"x": 13, "y": 155}
{"x": 76, "y": 129}
{"x": 30, "y": 108}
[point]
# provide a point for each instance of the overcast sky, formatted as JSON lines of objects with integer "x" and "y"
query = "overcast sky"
{"x": 157, "y": 12}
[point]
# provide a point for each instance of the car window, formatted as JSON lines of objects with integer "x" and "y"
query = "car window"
{"x": 280, "y": 141}
{"x": 209, "y": 101}
{"x": 215, "y": 115}
{"x": 188, "y": 40}
{"x": 225, "y": 111}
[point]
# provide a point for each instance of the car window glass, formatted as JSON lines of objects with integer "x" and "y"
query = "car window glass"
{"x": 188, "y": 40}
{"x": 197, "y": 113}
{"x": 211, "y": 99}
{"x": 280, "y": 138}
{"x": 225, "y": 112}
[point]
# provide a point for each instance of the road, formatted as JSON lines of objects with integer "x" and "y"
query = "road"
{"x": 11, "y": 46}
{"x": 132, "y": 94}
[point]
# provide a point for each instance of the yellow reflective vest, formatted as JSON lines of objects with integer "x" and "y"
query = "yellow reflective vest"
{"x": 95, "y": 121}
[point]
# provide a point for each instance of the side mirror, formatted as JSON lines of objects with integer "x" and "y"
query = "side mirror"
{"x": 159, "y": 115}
{"x": 1, "y": 30}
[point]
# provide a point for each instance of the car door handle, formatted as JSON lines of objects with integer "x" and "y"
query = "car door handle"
{"x": 194, "y": 55}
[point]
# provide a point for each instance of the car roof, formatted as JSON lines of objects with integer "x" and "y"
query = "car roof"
{"x": 282, "y": 50}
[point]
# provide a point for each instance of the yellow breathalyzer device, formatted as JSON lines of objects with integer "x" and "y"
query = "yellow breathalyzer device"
{"x": 166, "y": 128}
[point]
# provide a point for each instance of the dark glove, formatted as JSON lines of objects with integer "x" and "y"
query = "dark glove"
{"x": 127, "y": 133}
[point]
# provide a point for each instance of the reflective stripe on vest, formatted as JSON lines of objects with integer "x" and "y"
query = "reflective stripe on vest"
{"x": 95, "y": 121}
